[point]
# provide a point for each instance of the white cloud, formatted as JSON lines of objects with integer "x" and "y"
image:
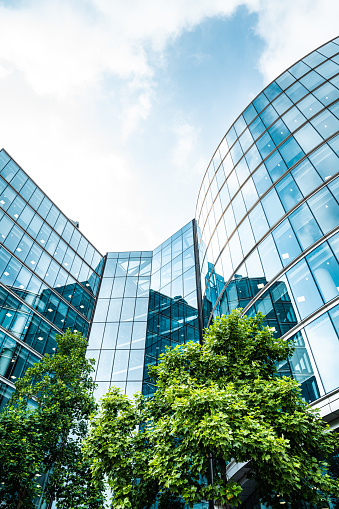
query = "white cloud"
{"x": 186, "y": 156}
{"x": 78, "y": 82}
{"x": 293, "y": 28}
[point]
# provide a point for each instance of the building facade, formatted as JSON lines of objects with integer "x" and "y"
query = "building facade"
{"x": 265, "y": 238}
{"x": 147, "y": 301}
{"x": 49, "y": 275}
{"x": 268, "y": 213}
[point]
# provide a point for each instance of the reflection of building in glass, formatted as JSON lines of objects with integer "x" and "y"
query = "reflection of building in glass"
{"x": 49, "y": 275}
{"x": 268, "y": 214}
{"x": 265, "y": 238}
{"x": 147, "y": 300}
{"x": 171, "y": 322}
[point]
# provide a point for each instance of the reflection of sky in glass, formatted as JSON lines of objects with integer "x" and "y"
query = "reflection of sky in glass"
{"x": 147, "y": 300}
{"x": 253, "y": 233}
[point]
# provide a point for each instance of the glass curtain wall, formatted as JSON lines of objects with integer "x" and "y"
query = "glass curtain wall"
{"x": 117, "y": 337}
{"x": 268, "y": 213}
{"x": 173, "y": 304}
{"x": 49, "y": 275}
{"x": 147, "y": 301}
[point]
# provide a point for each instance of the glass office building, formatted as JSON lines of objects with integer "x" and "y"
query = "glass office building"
{"x": 265, "y": 238}
{"x": 49, "y": 275}
{"x": 268, "y": 213}
{"x": 147, "y": 301}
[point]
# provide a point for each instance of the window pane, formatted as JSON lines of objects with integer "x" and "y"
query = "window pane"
{"x": 306, "y": 177}
{"x": 286, "y": 242}
{"x": 325, "y": 269}
{"x": 325, "y": 209}
{"x": 308, "y": 138}
{"x": 270, "y": 258}
{"x": 325, "y": 347}
{"x": 304, "y": 289}
{"x": 288, "y": 192}
{"x": 305, "y": 226}
{"x": 272, "y": 207}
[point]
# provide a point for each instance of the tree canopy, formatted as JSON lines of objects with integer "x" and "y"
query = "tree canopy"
{"x": 41, "y": 432}
{"x": 218, "y": 402}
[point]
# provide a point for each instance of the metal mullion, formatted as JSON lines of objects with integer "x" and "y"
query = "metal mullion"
{"x": 20, "y": 342}
{"x": 43, "y": 248}
{"x": 35, "y": 311}
{"x": 302, "y": 255}
{"x": 44, "y": 282}
{"x": 270, "y": 154}
{"x": 289, "y": 170}
{"x": 270, "y": 103}
{"x": 7, "y": 382}
{"x": 44, "y": 220}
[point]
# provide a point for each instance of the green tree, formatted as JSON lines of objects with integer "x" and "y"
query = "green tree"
{"x": 224, "y": 401}
{"x": 42, "y": 429}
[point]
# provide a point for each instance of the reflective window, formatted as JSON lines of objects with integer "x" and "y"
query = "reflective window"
{"x": 249, "y": 194}
{"x": 312, "y": 80}
{"x": 238, "y": 207}
{"x": 240, "y": 125}
{"x": 282, "y": 103}
{"x": 310, "y": 106}
{"x": 279, "y": 132}
{"x": 272, "y": 91}
{"x": 299, "y": 69}
{"x": 296, "y": 92}
{"x": 231, "y": 136}
{"x": 291, "y": 152}
{"x": 246, "y": 236}
{"x": 253, "y": 158}
{"x": 249, "y": 114}
{"x": 326, "y": 124}
{"x": 308, "y": 138}
{"x": 285, "y": 80}
{"x": 257, "y": 128}
{"x": 304, "y": 289}
{"x": 306, "y": 177}
{"x": 305, "y": 226}
{"x": 325, "y": 269}
{"x": 288, "y": 192}
{"x": 293, "y": 119}
{"x": 325, "y": 209}
{"x": 328, "y": 69}
{"x": 325, "y": 347}
{"x": 326, "y": 94}
{"x": 265, "y": 145}
{"x": 260, "y": 102}
{"x": 120, "y": 365}
{"x": 275, "y": 166}
{"x": 258, "y": 222}
{"x": 272, "y": 207}
{"x": 270, "y": 258}
{"x": 287, "y": 244}
{"x": 325, "y": 161}
{"x": 268, "y": 116}
{"x": 246, "y": 140}
{"x": 261, "y": 180}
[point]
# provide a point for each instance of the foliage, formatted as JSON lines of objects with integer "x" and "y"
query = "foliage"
{"x": 222, "y": 400}
{"x": 42, "y": 428}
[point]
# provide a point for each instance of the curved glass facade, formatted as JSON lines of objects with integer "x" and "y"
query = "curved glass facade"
{"x": 268, "y": 216}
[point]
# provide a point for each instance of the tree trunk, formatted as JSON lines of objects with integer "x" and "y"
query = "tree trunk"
{"x": 224, "y": 478}
{"x": 21, "y": 497}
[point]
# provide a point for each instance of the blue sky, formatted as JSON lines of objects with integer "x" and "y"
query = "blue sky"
{"x": 115, "y": 107}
